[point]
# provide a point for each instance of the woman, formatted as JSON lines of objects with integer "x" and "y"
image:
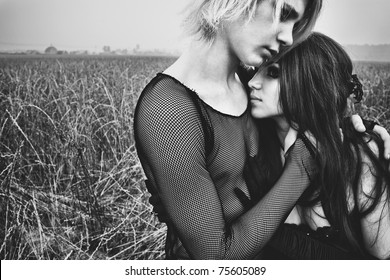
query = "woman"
{"x": 194, "y": 132}
{"x": 345, "y": 211}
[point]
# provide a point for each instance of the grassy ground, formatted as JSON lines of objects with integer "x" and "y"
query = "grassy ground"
{"x": 71, "y": 185}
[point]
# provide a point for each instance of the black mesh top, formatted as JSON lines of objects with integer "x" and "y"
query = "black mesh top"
{"x": 195, "y": 177}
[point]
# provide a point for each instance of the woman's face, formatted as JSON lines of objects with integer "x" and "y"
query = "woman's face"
{"x": 256, "y": 41}
{"x": 264, "y": 94}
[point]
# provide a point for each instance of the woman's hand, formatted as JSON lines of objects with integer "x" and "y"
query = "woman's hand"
{"x": 381, "y": 131}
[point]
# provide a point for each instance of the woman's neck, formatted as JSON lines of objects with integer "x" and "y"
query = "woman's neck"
{"x": 282, "y": 129}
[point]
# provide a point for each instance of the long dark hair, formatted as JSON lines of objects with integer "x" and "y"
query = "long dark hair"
{"x": 314, "y": 88}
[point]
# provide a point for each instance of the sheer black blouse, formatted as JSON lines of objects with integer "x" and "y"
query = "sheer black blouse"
{"x": 194, "y": 156}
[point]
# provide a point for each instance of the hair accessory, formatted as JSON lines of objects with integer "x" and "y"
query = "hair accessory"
{"x": 356, "y": 88}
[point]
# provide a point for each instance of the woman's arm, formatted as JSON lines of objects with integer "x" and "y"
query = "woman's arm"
{"x": 376, "y": 230}
{"x": 376, "y": 225}
{"x": 171, "y": 143}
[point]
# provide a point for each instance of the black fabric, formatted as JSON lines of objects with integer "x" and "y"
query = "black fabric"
{"x": 206, "y": 220}
{"x": 293, "y": 242}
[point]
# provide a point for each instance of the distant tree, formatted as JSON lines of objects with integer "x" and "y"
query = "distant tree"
{"x": 106, "y": 49}
{"x": 137, "y": 48}
{"x": 32, "y": 52}
{"x": 62, "y": 52}
{"x": 51, "y": 50}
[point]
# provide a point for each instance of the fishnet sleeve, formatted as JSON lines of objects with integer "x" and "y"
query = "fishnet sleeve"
{"x": 171, "y": 145}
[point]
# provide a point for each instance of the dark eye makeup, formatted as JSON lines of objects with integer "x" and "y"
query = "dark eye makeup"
{"x": 273, "y": 72}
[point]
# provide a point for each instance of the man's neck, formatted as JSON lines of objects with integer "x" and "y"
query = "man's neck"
{"x": 200, "y": 62}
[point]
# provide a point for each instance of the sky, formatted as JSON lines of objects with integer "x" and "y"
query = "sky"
{"x": 155, "y": 24}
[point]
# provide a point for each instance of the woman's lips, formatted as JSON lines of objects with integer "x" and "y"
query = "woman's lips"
{"x": 255, "y": 98}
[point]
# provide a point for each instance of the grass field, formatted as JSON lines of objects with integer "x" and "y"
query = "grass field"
{"x": 71, "y": 185}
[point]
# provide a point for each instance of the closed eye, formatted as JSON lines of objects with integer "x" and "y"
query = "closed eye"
{"x": 288, "y": 13}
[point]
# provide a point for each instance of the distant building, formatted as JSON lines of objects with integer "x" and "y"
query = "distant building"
{"x": 51, "y": 50}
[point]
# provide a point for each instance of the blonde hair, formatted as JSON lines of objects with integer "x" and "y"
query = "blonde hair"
{"x": 203, "y": 17}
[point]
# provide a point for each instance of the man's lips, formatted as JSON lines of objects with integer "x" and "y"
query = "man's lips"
{"x": 269, "y": 53}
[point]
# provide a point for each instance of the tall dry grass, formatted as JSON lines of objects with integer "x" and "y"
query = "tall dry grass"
{"x": 71, "y": 185}
{"x": 375, "y": 105}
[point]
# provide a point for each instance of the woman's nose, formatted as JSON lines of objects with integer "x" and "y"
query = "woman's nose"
{"x": 254, "y": 83}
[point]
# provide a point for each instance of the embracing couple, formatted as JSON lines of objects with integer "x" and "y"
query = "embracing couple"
{"x": 249, "y": 146}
